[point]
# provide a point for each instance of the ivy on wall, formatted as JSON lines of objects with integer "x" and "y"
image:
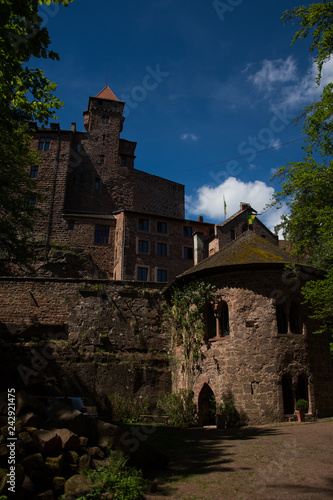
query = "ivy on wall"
{"x": 188, "y": 323}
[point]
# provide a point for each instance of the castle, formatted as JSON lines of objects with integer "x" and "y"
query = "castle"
{"x": 132, "y": 223}
{"x": 258, "y": 344}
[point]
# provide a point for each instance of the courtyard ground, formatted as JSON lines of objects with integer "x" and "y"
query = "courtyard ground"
{"x": 287, "y": 460}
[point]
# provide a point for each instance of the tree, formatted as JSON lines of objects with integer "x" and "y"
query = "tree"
{"x": 307, "y": 185}
{"x": 25, "y": 94}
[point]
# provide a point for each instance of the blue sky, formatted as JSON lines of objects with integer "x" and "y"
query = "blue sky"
{"x": 205, "y": 84}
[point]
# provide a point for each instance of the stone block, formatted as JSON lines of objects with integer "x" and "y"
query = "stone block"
{"x": 77, "y": 486}
{"x": 34, "y": 461}
{"x": 47, "y": 441}
{"x": 69, "y": 440}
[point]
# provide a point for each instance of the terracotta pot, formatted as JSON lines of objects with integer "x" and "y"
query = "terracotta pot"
{"x": 300, "y": 415}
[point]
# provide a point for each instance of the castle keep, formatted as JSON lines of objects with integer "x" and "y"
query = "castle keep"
{"x": 131, "y": 223}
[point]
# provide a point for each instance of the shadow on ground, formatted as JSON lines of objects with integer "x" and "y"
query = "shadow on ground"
{"x": 199, "y": 451}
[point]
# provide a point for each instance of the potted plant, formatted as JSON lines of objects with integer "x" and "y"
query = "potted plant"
{"x": 224, "y": 412}
{"x": 302, "y": 406}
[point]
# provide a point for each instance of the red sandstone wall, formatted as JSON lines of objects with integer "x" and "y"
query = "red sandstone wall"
{"x": 251, "y": 361}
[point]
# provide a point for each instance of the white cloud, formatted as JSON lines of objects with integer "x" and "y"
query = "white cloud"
{"x": 282, "y": 86}
{"x": 307, "y": 91}
{"x": 275, "y": 143}
{"x": 189, "y": 137}
{"x": 276, "y": 71}
{"x": 273, "y": 217}
{"x": 208, "y": 201}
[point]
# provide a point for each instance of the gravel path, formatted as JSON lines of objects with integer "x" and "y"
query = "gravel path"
{"x": 289, "y": 460}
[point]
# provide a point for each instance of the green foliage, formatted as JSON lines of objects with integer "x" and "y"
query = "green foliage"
{"x": 179, "y": 407}
{"x": 307, "y": 185}
{"x": 128, "y": 410}
{"x": 302, "y": 404}
{"x": 317, "y": 19}
{"x": 25, "y": 94}
{"x": 226, "y": 408}
{"x": 188, "y": 322}
{"x": 123, "y": 482}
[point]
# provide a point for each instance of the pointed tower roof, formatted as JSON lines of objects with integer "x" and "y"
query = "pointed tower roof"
{"x": 107, "y": 93}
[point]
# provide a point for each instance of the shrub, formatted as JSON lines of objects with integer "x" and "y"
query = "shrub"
{"x": 179, "y": 407}
{"x": 125, "y": 483}
{"x": 128, "y": 410}
{"x": 302, "y": 404}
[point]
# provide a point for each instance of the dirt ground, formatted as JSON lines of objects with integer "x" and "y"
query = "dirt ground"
{"x": 289, "y": 460}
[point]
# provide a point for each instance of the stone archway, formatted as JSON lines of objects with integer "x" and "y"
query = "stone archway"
{"x": 302, "y": 390}
{"x": 205, "y": 406}
{"x": 288, "y": 396}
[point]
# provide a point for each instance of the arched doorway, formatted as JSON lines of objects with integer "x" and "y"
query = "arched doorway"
{"x": 288, "y": 397}
{"x": 302, "y": 391}
{"x": 206, "y": 406}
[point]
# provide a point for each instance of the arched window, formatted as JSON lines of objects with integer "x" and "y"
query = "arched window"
{"x": 224, "y": 320}
{"x": 281, "y": 319}
{"x": 210, "y": 322}
{"x": 295, "y": 318}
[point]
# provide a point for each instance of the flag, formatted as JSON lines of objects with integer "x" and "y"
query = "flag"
{"x": 251, "y": 218}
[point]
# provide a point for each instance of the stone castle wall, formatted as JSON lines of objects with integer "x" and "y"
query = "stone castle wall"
{"x": 84, "y": 337}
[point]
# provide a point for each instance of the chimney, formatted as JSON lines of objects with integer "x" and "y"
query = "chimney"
{"x": 73, "y": 127}
{"x": 198, "y": 243}
{"x": 200, "y": 218}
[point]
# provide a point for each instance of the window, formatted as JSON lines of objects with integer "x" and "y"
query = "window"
{"x": 217, "y": 320}
{"x": 142, "y": 273}
{"x": 162, "y": 227}
{"x": 30, "y": 200}
{"x": 187, "y": 231}
{"x": 162, "y": 249}
{"x": 143, "y": 246}
{"x": 224, "y": 319}
{"x": 281, "y": 319}
{"x": 97, "y": 184}
{"x": 232, "y": 234}
{"x": 188, "y": 253}
{"x": 78, "y": 148}
{"x": 103, "y": 137}
{"x": 143, "y": 224}
{"x": 105, "y": 120}
{"x": 295, "y": 318}
{"x": 210, "y": 322}
{"x": 123, "y": 162}
{"x": 162, "y": 275}
{"x": 70, "y": 226}
{"x": 44, "y": 144}
{"x": 34, "y": 172}
{"x": 102, "y": 234}
{"x": 101, "y": 159}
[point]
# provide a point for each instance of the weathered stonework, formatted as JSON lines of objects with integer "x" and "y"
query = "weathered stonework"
{"x": 84, "y": 337}
{"x": 260, "y": 346}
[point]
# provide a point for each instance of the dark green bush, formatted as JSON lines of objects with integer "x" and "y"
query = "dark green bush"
{"x": 179, "y": 407}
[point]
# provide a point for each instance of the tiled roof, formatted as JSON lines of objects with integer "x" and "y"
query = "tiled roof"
{"x": 249, "y": 248}
{"x": 107, "y": 93}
